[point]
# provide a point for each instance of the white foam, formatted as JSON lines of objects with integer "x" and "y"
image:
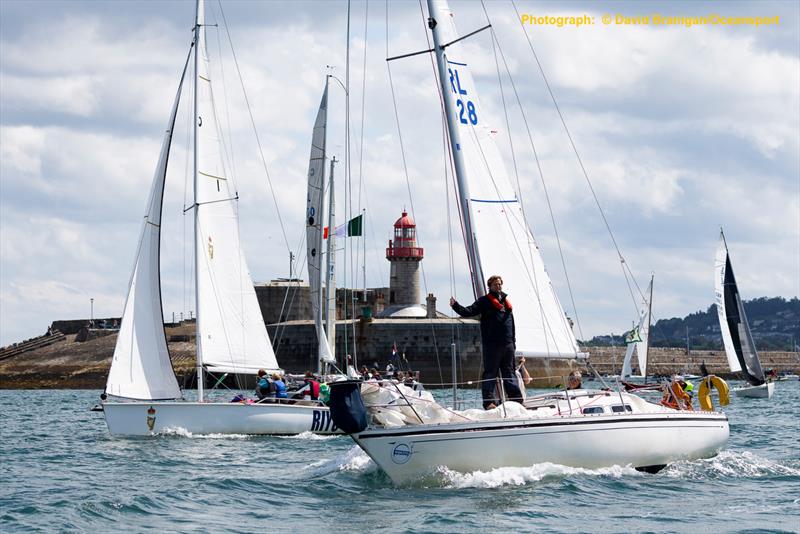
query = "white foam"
{"x": 308, "y": 435}
{"x": 520, "y": 476}
{"x": 183, "y": 433}
{"x": 730, "y": 463}
{"x": 354, "y": 460}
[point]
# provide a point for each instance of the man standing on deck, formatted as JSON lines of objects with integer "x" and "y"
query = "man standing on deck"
{"x": 498, "y": 337}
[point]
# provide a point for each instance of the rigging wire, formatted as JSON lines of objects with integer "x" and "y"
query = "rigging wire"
{"x": 348, "y": 190}
{"x": 255, "y": 130}
{"x": 405, "y": 166}
{"x": 623, "y": 263}
{"x": 488, "y": 169}
{"x": 496, "y": 41}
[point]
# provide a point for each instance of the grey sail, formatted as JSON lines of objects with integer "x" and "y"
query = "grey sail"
{"x": 314, "y": 223}
{"x": 736, "y": 336}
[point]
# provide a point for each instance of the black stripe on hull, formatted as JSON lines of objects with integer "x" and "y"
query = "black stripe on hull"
{"x": 430, "y": 431}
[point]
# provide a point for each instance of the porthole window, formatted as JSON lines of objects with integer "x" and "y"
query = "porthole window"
{"x": 617, "y": 408}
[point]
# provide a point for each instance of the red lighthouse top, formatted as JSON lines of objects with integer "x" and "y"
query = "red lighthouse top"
{"x": 405, "y": 221}
{"x": 404, "y": 245}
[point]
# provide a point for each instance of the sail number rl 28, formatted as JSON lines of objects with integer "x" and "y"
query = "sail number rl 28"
{"x": 466, "y": 108}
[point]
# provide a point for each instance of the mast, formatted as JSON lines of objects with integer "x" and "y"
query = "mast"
{"x": 649, "y": 325}
{"x": 476, "y": 274}
{"x": 330, "y": 284}
{"x": 199, "y": 20}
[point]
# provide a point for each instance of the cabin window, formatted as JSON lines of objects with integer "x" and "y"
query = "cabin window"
{"x": 592, "y": 409}
{"x": 617, "y": 408}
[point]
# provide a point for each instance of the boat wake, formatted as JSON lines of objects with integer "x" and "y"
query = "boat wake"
{"x": 183, "y": 433}
{"x": 521, "y": 476}
{"x": 308, "y": 435}
{"x": 731, "y": 464}
{"x": 353, "y": 460}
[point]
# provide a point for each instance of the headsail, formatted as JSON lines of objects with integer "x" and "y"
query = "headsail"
{"x": 231, "y": 335}
{"x": 638, "y": 339}
{"x": 736, "y": 336}
{"x": 141, "y": 368}
{"x": 503, "y": 242}
{"x": 314, "y": 222}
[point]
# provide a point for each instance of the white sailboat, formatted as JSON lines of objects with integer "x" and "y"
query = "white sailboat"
{"x": 412, "y": 437}
{"x": 231, "y": 335}
{"x": 638, "y": 342}
{"x": 321, "y": 302}
{"x": 739, "y": 346}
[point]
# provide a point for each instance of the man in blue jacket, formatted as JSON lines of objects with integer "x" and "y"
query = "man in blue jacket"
{"x": 498, "y": 337}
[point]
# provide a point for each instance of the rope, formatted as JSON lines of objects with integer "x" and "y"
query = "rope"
{"x": 255, "y": 130}
{"x": 577, "y": 155}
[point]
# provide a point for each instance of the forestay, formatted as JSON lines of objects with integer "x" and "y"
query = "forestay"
{"x": 503, "y": 241}
{"x": 736, "y": 336}
{"x": 231, "y": 333}
{"x": 141, "y": 368}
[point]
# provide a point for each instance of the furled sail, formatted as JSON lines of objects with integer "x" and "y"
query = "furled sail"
{"x": 141, "y": 368}
{"x": 638, "y": 341}
{"x": 314, "y": 222}
{"x": 736, "y": 336}
{"x": 504, "y": 244}
{"x": 231, "y": 335}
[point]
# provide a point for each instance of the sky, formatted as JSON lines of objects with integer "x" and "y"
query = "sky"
{"x": 681, "y": 130}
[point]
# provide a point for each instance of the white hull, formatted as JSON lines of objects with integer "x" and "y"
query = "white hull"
{"x": 148, "y": 418}
{"x": 649, "y": 440}
{"x": 764, "y": 391}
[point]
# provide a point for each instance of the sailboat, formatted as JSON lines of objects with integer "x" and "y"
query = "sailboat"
{"x": 638, "y": 341}
{"x": 410, "y": 437}
{"x": 321, "y": 301}
{"x": 142, "y": 395}
{"x": 739, "y": 346}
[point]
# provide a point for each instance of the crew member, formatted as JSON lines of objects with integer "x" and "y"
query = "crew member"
{"x": 498, "y": 338}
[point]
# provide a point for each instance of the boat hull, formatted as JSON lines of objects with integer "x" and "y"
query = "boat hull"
{"x": 764, "y": 391}
{"x": 149, "y": 418}
{"x": 638, "y": 440}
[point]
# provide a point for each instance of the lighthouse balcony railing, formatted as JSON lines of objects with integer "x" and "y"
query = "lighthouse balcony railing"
{"x": 404, "y": 252}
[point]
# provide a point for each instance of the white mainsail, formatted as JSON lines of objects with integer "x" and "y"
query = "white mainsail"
{"x": 141, "y": 368}
{"x": 314, "y": 222}
{"x": 639, "y": 342}
{"x": 231, "y": 335}
{"x": 504, "y": 245}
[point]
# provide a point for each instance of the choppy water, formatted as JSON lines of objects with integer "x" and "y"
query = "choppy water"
{"x": 62, "y": 472}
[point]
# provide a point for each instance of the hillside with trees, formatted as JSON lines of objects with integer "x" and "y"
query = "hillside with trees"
{"x": 775, "y": 324}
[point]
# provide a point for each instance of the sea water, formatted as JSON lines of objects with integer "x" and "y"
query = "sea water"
{"x": 62, "y": 472}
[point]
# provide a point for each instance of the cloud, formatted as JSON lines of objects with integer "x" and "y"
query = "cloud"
{"x": 680, "y": 130}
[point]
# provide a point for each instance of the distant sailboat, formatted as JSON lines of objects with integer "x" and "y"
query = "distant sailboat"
{"x": 638, "y": 342}
{"x": 736, "y": 335}
{"x": 231, "y": 334}
{"x": 638, "y": 339}
{"x": 321, "y": 302}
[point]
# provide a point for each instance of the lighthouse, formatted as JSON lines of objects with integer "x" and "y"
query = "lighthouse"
{"x": 404, "y": 257}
